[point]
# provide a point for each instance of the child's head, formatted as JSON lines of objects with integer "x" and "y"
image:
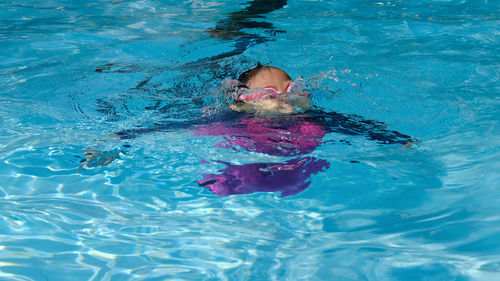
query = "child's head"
{"x": 267, "y": 89}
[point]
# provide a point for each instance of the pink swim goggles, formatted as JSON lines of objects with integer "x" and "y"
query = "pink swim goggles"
{"x": 236, "y": 91}
{"x": 244, "y": 93}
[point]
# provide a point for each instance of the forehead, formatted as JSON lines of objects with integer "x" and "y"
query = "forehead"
{"x": 272, "y": 74}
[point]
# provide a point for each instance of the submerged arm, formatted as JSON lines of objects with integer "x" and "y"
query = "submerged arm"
{"x": 357, "y": 125}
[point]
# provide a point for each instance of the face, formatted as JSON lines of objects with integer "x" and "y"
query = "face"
{"x": 272, "y": 77}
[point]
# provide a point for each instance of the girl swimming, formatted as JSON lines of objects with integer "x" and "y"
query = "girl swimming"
{"x": 266, "y": 89}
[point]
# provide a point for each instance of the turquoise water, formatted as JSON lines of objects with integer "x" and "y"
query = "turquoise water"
{"x": 74, "y": 73}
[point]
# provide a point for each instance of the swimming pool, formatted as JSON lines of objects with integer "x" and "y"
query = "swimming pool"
{"x": 345, "y": 200}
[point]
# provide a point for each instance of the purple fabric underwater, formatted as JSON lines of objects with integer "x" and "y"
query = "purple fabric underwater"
{"x": 272, "y": 137}
{"x": 290, "y": 177}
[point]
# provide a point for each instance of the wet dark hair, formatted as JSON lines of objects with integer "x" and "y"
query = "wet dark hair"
{"x": 249, "y": 74}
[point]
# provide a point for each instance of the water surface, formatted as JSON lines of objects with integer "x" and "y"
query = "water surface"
{"x": 72, "y": 73}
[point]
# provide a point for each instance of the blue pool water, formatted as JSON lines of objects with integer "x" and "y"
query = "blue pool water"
{"x": 339, "y": 198}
